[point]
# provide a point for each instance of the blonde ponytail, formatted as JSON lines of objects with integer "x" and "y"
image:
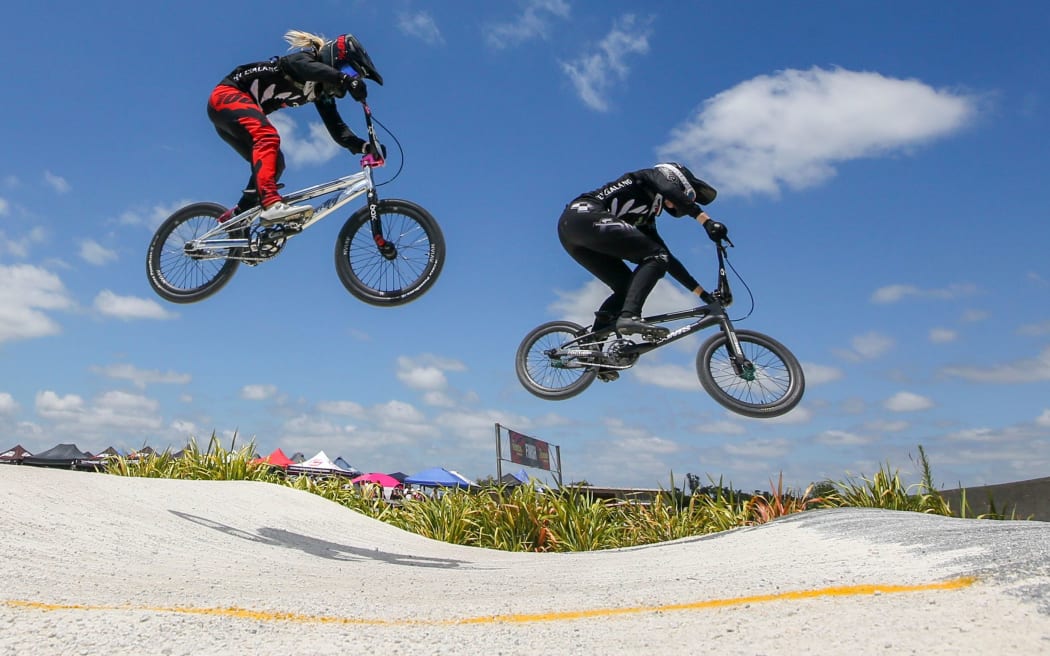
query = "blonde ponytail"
{"x": 298, "y": 39}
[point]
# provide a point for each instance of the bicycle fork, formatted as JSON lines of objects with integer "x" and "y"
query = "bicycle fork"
{"x": 743, "y": 367}
{"x": 386, "y": 248}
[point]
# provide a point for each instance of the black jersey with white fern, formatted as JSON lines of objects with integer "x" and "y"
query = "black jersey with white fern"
{"x": 637, "y": 197}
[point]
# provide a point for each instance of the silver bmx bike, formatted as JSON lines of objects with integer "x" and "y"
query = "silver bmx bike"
{"x": 389, "y": 252}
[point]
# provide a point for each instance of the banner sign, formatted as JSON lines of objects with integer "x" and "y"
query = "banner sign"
{"x": 529, "y": 451}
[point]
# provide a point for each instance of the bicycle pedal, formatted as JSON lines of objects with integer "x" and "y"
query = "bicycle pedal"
{"x": 608, "y": 376}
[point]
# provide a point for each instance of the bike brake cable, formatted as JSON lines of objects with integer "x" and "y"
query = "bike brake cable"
{"x": 400, "y": 150}
{"x": 750, "y": 294}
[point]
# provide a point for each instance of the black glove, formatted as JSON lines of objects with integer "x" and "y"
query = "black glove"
{"x": 356, "y": 87}
{"x": 366, "y": 149}
{"x": 715, "y": 230}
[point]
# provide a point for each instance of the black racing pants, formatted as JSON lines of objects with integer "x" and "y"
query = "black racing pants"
{"x": 600, "y": 243}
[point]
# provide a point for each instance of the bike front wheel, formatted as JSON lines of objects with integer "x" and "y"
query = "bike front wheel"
{"x": 544, "y": 371}
{"x": 394, "y": 262}
{"x": 771, "y": 385}
{"x": 181, "y": 277}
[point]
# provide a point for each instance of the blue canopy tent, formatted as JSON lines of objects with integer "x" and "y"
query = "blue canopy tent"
{"x": 439, "y": 477}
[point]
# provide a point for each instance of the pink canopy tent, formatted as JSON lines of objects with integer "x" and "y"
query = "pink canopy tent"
{"x": 375, "y": 477}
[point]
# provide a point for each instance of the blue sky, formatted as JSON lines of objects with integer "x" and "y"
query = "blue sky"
{"x": 882, "y": 168}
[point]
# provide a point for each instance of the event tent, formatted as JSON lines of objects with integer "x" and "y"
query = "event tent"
{"x": 14, "y": 455}
{"x": 385, "y": 480}
{"x": 276, "y": 459}
{"x": 346, "y": 466}
{"x": 439, "y": 477}
{"x": 60, "y": 455}
{"x": 319, "y": 465}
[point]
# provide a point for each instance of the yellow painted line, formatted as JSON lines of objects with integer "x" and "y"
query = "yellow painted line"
{"x": 276, "y": 616}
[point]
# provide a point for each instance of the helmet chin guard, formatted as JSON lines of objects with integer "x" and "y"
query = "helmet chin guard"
{"x": 693, "y": 187}
{"x": 348, "y": 55}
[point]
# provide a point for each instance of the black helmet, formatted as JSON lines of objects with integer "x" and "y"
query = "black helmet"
{"x": 347, "y": 54}
{"x": 693, "y": 187}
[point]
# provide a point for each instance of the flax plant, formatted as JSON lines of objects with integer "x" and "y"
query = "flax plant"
{"x": 452, "y": 518}
{"x": 780, "y": 503}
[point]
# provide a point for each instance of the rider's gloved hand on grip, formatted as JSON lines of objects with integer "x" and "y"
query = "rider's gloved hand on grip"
{"x": 356, "y": 87}
{"x": 367, "y": 150}
{"x": 715, "y": 230}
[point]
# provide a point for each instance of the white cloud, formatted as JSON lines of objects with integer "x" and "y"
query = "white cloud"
{"x": 818, "y": 374}
{"x": 907, "y": 402}
{"x": 8, "y": 405}
{"x": 721, "y": 427}
{"x": 895, "y": 293}
{"x": 129, "y": 307}
{"x": 866, "y": 347}
{"x": 19, "y": 246}
{"x": 258, "y": 392}
{"x": 637, "y": 440}
{"x": 347, "y": 408}
{"x": 426, "y": 372}
{"x": 150, "y": 217}
{"x": 886, "y": 426}
{"x": 1043, "y": 419}
{"x": 799, "y": 415}
{"x": 1031, "y": 370}
{"x": 768, "y": 448}
{"x": 421, "y": 25}
{"x": 94, "y": 253}
{"x": 142, "y": 377}
{"x": 973, "y": 316}
{"x": 26, "y": 294}
{"x": 794, "y": 127}
{"x": 533, "y": 23}
{"x": 111, "y": 412}
{"x": 316, "y": 148}
{"x": 56, "y": 182}
{"x": 842, "y": 438}
{"x": 578, "y": 305}
{"x": 595, "y": 73}
{"x": 942, "y": 335}
{"x": 671, "y": 376}
{"x": 3, "y": 207}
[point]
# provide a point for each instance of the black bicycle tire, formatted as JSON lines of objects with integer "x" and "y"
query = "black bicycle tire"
{"x": 424, "y": 278}
{"x": 536, "y": 388}
{"x": 783, "y": 404}
{"x": 154, "y": 270}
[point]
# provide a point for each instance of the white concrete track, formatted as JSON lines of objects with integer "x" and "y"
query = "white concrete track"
{"x": 96, "y": 564}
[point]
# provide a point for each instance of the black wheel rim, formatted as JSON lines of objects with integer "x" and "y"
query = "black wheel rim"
{"x": 179, "y": 270}
{"x": 551, "y": 373}
{"x": 373, "y": 267}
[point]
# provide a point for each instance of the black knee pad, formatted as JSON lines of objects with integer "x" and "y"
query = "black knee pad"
{"x": 660, "y": 259}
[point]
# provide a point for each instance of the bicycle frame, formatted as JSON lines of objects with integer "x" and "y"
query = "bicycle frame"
{"x": 211, "y": 246}
{"x": 712, "y": 314}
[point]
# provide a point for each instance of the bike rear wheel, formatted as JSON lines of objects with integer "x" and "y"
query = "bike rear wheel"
{"x": 771, "y": 388}
{"x": 547, "y": 376}
{"x": 177, "y": 276}
{"x": 399, "y": 265}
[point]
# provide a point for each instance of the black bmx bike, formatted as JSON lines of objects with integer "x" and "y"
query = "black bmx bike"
{"x": 389, "y": 252}
{"x": 748, "y": 372}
